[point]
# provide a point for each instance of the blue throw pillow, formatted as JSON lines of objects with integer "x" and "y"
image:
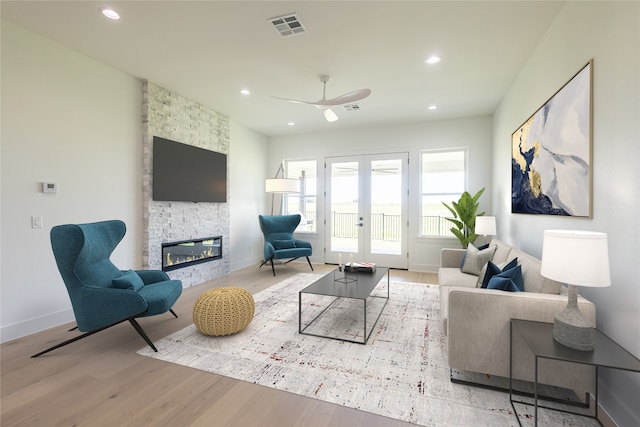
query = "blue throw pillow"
{"x": 509, "y": 280}
{"x": 284, "y": 244}
{"x": 129, "y": 280}
{"x": 493, "y": 269}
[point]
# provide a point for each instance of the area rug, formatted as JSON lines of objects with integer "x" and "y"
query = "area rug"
{"x": 401, "y": 373}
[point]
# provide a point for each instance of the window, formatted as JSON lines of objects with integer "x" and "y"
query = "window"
{"x": 443, "y": 177}
{"x": 303, "y": 203}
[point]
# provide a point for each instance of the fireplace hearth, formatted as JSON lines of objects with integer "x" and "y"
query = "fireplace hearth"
{"x": 190, "y": 252}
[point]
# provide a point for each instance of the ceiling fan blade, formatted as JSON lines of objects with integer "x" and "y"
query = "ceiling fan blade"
{"x": 297, "y": 101}
{"x": 325, "y": 104}
{"x": 348, "y": 98}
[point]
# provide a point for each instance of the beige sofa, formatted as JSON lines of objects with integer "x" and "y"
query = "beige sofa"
{"x": 476, "y": 321}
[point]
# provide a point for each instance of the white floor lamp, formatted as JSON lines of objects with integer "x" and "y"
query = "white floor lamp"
{"x": 282, "y": 185}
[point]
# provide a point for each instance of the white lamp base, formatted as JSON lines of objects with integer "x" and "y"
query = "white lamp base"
{"x": 571, "y": 328}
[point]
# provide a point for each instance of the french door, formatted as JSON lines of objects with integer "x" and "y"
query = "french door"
{"x": 366, "y": 209}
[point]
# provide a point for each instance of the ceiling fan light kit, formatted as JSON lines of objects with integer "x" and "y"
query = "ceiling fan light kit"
{"x": 330, "y": 115}
{"x": 324, "y": 104}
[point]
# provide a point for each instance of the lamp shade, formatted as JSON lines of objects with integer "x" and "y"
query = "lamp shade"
{"x": 486, "y": 225}
{"x": 282, "y": 185}
{"x": 579, "y": 258}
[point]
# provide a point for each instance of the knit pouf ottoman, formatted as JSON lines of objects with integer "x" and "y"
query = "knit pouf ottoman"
{"x": 223, "y": 311}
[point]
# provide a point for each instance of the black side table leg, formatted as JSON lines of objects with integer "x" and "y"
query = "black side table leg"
{"x": 535, "y": 394}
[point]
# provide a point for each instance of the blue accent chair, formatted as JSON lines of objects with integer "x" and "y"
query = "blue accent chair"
{"x": 101, "y": 294}
{"x": 279, "y": 242}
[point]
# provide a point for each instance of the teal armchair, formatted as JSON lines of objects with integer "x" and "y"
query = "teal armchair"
{"x": 101, "y": 294}
{"x": 279, "y": 242}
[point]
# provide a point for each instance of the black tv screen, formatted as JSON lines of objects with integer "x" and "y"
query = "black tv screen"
{"x": 185, "y": 173}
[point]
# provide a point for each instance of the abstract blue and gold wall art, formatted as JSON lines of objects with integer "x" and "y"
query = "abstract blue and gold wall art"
{"x": 551, "y": 154}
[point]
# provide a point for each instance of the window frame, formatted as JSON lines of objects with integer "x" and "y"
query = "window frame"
{"x": 314, "y": 217}
{"x": 454, "y": 196}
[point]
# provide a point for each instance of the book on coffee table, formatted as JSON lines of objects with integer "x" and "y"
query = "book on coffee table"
{"x": 360, "y": 267}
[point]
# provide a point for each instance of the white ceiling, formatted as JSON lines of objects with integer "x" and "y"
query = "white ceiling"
{"x": 208, "y": 50}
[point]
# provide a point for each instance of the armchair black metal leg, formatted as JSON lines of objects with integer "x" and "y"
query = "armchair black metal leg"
{"x": 272, "y": 267}
{"x": 79, "y": 337}
{"x": 309, "y": 261}
{"x": 138, "y": 328}
{"x": 173, "y": 312}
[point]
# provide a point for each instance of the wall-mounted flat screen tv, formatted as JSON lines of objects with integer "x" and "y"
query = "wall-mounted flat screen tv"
{"x": 184, "y": 173}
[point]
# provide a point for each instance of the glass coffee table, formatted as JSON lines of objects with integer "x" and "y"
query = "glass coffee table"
{"x": 335, "y": 288}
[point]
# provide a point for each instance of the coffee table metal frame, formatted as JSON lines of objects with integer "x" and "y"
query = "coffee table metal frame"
{"x": 360, "y": 289}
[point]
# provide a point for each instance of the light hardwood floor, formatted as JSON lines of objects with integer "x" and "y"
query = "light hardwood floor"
{"x": 101, "y": 381}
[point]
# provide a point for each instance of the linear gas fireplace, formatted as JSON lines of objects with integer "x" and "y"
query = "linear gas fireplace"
{"x": 189, "y": 252}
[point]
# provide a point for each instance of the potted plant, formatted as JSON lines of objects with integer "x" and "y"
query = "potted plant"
{"x": 464, "y": 217}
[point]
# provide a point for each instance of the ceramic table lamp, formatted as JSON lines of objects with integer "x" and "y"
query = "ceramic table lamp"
{"x": 577, "y": 258}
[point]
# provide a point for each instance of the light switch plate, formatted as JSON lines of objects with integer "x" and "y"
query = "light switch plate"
{"x": 36, "y": 221}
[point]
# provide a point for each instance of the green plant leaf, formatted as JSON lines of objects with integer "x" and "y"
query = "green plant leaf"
{"x": 458, "y": 224}
{"x": 455, "y": 215}
{"x": 464, "y": 213}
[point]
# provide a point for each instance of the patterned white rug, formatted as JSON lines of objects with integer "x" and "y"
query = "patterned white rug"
{"x": 402, "y": 372}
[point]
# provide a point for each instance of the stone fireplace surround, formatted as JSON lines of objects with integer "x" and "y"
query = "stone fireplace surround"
{"x": 169, "y": 115}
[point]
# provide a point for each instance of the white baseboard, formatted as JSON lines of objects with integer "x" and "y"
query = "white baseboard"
{"x": 424, "y": 268}
{"x": 235, "y": 266}
{"x": 31, "y": 326}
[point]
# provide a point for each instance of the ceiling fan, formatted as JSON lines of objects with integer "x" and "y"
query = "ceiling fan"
{"x": 325, "y": 104}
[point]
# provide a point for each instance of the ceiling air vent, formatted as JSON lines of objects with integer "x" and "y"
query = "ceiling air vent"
{"x": 352, "y": 107}
{"x": 288, "y": 25}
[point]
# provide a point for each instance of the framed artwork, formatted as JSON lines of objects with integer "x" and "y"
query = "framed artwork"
{"x": 551, "y": 164}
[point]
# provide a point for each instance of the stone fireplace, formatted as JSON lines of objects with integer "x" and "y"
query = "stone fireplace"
{"x": 169, "y": 115}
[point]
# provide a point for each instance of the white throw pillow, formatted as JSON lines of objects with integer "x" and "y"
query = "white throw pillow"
{"x": 475, "y": 259}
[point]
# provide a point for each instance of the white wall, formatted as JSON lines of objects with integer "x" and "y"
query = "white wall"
{"x": 76, "y": 122}
{"x": 474, "y": 133}
{"x": 608, "y": 32}
{"x": 69, "y": 119}
{"x": 247, "y": 173}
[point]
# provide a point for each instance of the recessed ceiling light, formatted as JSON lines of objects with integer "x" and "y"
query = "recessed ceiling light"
{"x": 110, "y": 13}
{"x": 291, "y": 124}
{"x": 433, "y": 60}
{"x": 433, "y": 107}
{"x": 245, "y": 92}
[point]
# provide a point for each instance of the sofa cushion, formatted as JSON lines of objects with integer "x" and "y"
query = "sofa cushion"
{"x": 502, "y": 253}
{"x": 454, "y": 277}
{"x": 475, "y": 259}
{"x": 507, "y": 280}
{"x": 533, "y": 280}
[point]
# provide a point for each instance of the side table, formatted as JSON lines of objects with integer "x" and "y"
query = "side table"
{"x": 539, "y": 338}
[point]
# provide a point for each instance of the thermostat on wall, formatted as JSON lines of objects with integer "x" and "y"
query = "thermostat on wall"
{"x": 49, "y": 187}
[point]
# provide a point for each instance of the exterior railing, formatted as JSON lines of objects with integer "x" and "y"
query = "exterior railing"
{"x": 385, "y": 227}
{"x": 436, "y": 226}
